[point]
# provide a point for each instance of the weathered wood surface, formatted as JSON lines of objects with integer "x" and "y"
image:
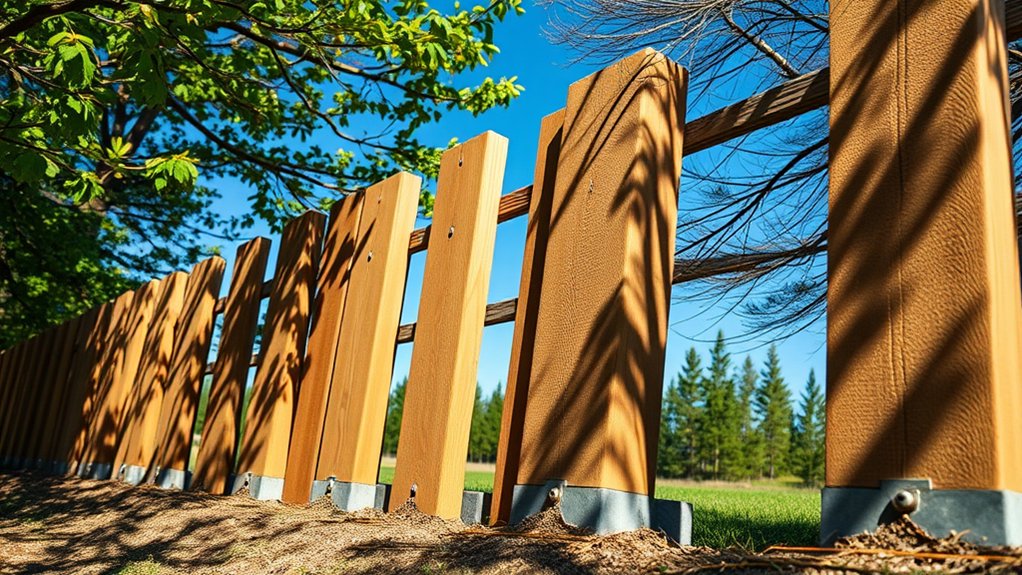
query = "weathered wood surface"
{"x": 219, "y": 440}
{"x": 363, "y": 366}
{"x": 442, "y": 378}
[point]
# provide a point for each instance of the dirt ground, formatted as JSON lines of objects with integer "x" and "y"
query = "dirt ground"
{"x": 56, "y": 525}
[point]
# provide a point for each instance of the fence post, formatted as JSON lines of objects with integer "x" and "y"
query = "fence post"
{"x": 437, "y": 412}
{"x": 509, "y": 447}
{"x": 142, "y": 415}
{"x": 593, "y": 406}
{"x": 363, "y": 366}
{"x": 215, "y": 461}
{"x": 263, "y": 455}
{"x": 924, "y": 327}
{"x": 192, "y": 335}
{"x": 317, "y": 368}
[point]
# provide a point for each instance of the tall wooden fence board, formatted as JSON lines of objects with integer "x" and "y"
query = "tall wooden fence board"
{"x": 193, "y": 335}
{"x": 353, "y": 431}
{"x": 595, "y": 388}
{"x": 263, "y": 450}
{"x": 328, "y": 312}
{"x": 215, "y": 460}
{"x": 441, "y": 385}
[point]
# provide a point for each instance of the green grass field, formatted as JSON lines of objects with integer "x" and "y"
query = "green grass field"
{"x": 752, "y": 517}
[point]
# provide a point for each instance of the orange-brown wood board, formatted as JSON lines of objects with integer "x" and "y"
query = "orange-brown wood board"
{"x": 593, "y": 406}
{"x": 437, "y": 414}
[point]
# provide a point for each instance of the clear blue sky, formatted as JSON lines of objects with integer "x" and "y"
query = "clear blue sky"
{"x": 546, "y": 71}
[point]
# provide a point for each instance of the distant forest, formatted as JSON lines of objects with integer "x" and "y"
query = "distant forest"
{"x": 725, "y": 421}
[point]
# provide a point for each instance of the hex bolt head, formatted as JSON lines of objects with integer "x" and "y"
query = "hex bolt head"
{"x": 905, "y": 501}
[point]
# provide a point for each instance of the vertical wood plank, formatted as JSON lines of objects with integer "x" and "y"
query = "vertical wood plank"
{"x": 215, "y": 460}
{"x": 62, "y": 392}
{"x": 193, "y": 335}
{"x": 350, "y": 450}
{"x": 98, "y": 454}
{"x": 924, "y": 326}
{"x": 512, "y": 420}
{"x": 56, "y": 380}
{"x": 72, "y": 423}
{"x": 442, "y": 378}
{"x": 598, "y": 357}
{"x": 15, "y": 413}
{"x": 317, "y": 368}
{"x": 263, "y": 451}
{"x": 135, "y": 454}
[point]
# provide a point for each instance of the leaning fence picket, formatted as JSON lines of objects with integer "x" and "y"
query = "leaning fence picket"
{"x": 442, "y": 377}
{"x": 215, "y": 460}
{"x": 328, "y": 312}
{"x": 263, "y": 452}
{"x": 363, "y": 365}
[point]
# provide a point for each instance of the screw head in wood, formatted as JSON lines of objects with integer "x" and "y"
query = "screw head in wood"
{"x": 905, "y": 501}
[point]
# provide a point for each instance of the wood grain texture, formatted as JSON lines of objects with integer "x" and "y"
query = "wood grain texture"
{"x": 192, "y": 337}
{"x": 142, "y": 415}
{"x": 512, "y": 205}
{"x": 924, "y": 322}
{"x": 81, "y": 367}
{"x": 22, "y": 396}
{"x": 33, "y": 395}
{"x": 593, "y": 406}
{"x": 442, "y": 377}
{"x": 509, "y": 445}
{"x": 56, "y": 380}
{"x": 12, "y": 413}
{"x": 497, "y": 312}
{"x": 268, "y": 420}
{"x": 328, "y": 313}
{"x": 102, "y": 420}
{"x": 61, "y": 399}
{"x": 363, "y": 366}
{"x": 215, "y": 460}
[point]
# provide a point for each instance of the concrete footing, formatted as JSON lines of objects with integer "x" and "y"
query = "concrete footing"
{"x": 990, "y": 517}
{"x": 605, "y": 510}
{"x": 349, "y": 496}
{"x": 259, "y": 487}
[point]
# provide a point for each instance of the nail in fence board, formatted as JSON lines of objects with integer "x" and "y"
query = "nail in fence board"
{"x": 327, "y": 315}
{"x": 268, "y": 421}
{"x": 215, "y": 460}
{"x": 143, "y": 412}
{"x": 597, "y": 369}
{"x": 512, "y": 420}
{"x": 192, "y": 338}
{"x": 442, "y": 378}
{"x": 350, "y": 450}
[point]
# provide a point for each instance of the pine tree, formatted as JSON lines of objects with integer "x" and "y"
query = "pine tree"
{"x": 669, "y": 446}
{"x": 773, "y": 406}
{"x": 752, "y": 443}
{"x": 808, "y": 438}
{"x": 491, "y": 423}
{"x": 477, "y": 433}
{"x": 690, "y": 405}
{"x": 719, "y": 430}
{"x": 392, "y": 427}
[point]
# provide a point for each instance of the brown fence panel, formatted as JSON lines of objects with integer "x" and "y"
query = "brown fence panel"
{"x": 215, "y": 461}
{"x": 192, "y": 338}
{"x": 14, "y": 416}
{"x": 72, "y": 420}
{"x": 352, "y": 435}
{"x": 142, "y": 414}
{"x": 512, "y": 420}
{"x": 56, "y": 391}
{"x": 263, "y": 452}
{"x": 597, "y": 369}
{"x": 442, "y": 380}
{"x": 318, "y": 366}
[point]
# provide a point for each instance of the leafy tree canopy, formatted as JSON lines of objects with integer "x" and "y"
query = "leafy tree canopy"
{"x": 117, "y": 108}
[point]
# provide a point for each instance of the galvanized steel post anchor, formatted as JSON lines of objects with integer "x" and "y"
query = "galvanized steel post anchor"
{"x": 259, "y": 487}
{"x": 604, "y": 510}
{"x": 986, "y": 516}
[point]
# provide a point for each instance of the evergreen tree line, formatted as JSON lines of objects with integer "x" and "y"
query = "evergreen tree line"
{"x": 720, "y": 422}
{"x": 736, "y": 423}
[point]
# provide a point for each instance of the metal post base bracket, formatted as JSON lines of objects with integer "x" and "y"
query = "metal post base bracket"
{"x": 93, "y": 470}
{"x": 989, "y": 517}
{"x": 348, "y": 496}
{"x": 173, "y": 478}
{"x": 605, "y": 510}
{"x": 132, "y": 474}
{"x": 259, "y": 487}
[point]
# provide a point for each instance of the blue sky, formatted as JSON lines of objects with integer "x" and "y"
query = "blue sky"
{"x": 546, "y": 71}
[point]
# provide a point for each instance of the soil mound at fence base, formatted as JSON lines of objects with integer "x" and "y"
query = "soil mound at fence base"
{"x": 58, "y": 525}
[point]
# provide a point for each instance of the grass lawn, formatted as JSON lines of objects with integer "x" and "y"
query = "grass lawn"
{"x": 753, "y": 517}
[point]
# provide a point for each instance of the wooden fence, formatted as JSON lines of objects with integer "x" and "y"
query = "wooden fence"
{"x": 114, "y": 393}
